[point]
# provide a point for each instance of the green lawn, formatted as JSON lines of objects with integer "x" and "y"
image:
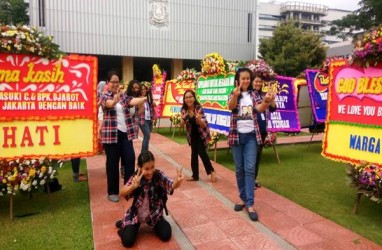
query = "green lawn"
{"x": 316, "y": 183}
{"x": 61, "y": 221}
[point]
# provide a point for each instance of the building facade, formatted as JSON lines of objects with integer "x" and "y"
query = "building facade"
{"x": 175, "y": 31}
{"x": 314, "y": 17}
{"x": 130, "y": 36}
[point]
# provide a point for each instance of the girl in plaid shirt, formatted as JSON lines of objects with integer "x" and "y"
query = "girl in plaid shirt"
{"x": 147, "y": 116}
{"x": 117, "y": 134}
{"x": 262, "y": 118}
{"x": 147, "y": 187}
{"x": 244, "y": 136}
{"x": 198, "y": 134}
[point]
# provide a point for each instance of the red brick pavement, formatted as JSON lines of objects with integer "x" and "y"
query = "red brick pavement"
{"x": 202, "y": 216}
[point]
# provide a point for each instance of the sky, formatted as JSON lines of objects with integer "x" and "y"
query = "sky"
{"x": 332, "y": 4}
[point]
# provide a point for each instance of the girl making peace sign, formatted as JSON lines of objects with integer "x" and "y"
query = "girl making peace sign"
{"x": 147, "y": 187}
{"x": 198, "y": 134}
{"x": 244, "y": 136}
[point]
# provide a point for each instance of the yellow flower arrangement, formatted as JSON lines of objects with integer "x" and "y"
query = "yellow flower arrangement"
{"x": 213, "y": 63}
{"x": 123, "y": 86}
{"x": 215, "y": 137}
{"x": 28, "y": 40}
{"x": 146, "y": 84}
{"x": 26, "y": 175}
{"x": 156, "y": 71}
{"x": 175, "y": 119}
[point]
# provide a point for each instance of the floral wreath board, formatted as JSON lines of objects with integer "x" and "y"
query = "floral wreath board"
{"x": 25, "y": 50}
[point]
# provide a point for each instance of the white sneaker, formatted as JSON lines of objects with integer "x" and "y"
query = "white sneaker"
{"x": 113, "y": 198}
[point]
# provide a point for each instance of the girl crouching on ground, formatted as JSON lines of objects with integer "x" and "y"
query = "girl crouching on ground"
{"x": 149, "y": 188}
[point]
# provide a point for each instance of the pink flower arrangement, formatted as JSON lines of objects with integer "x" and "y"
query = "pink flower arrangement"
{"x": 367, "y": 178}
{"x": 262, "y": 68}
{"x": 368, "y": 49}
{"x": 187, "y": 74}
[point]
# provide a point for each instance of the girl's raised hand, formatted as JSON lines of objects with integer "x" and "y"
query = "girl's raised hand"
{"x": 198, "y": 116}
{"x": 237, "y": 90}
{"x": 179, "y": 176}
{"x": 137, "y": 179}
{"x": 179, "y": 173}
{"x": 117, "y": 96}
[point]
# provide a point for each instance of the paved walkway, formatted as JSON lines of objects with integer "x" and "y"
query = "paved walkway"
{"x": 202, "y": 215}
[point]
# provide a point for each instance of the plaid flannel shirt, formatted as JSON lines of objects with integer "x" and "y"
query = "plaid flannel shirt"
{"x": 204, "y": 132}
{"x": 140, "y": 118}
{"x": 233, "y": 137}
{"x": 155, "y": 204}
{"x": 109, "y": 131}
{"x": 269, "y": 110}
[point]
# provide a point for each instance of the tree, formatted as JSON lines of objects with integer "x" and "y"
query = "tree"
{"x": 13, "y": 12}
{"x": 292, "y": 50}
{"x": 367, "y": 16}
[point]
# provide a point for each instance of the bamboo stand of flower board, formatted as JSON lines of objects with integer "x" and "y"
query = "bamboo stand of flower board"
{"x": 275, "y": 151}
{"x": 158, "y": 124}
{"x": 215, "y": 148}
{"x": 11, "y": 216}
{"x": 356, "y": 204}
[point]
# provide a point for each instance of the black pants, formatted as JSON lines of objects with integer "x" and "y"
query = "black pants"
{"x": 198, "y": 149}
{"x": 258, "y": 155}
{"x": 76, "y": 165}
{"x": 123, "y": 150}
{"x": 129, "y": 234}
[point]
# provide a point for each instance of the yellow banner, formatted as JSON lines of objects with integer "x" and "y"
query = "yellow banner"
{"x": 57, "y": 139}
{"x": 351, "y": 143}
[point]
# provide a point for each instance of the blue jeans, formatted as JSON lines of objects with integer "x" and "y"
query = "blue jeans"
{"x": 244, "y": 156}
{"x": 146, "y": 131}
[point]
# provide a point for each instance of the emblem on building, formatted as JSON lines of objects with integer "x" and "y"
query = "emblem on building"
{"x": 159, "y": 13}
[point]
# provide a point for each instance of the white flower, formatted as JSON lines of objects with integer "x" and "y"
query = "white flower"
{"x": 40, "y": 175}
{"x": 24, "y": 187}
{"x": 33, "y": 161}
{"x": 50, "y": 170}
{"x": 34, "y": 183}
{"x": 42, "y": 182}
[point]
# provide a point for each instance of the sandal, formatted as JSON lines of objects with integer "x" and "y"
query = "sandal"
{"x": 213, "y": 176}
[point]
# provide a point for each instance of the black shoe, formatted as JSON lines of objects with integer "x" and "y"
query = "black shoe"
{"x": 257, "y": 185}
{"x": 253, "y": 215}
{"x": 238, "y": 207}
{"x": 119, "y": 223}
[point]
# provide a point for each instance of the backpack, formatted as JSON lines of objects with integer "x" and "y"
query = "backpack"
{"x": 162, "y": 192}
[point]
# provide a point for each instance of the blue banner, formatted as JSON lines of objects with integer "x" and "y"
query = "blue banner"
{"x": 318, "y": 83}
{"x": 285, "y": 118}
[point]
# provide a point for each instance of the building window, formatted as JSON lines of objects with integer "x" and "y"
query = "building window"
{"x": 41, "y": 13}
{"x": 249, "y": 27}
{"x": 269, "y": 17}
